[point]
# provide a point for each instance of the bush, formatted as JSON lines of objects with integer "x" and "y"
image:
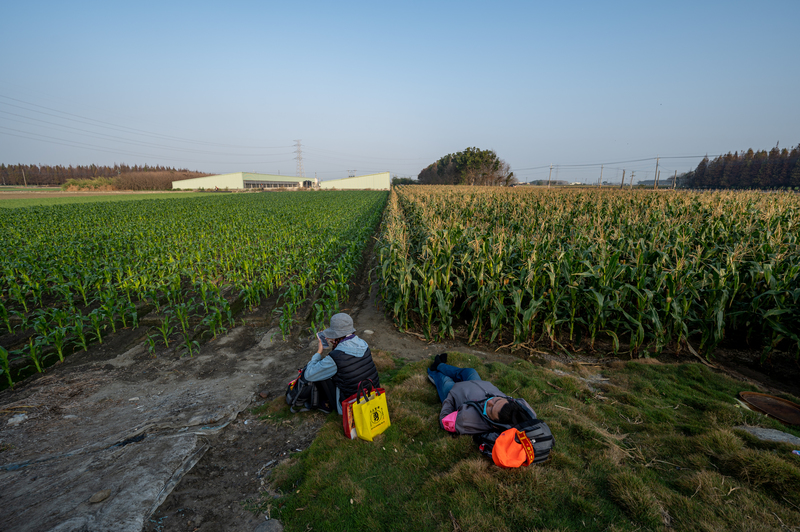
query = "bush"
{"x": 150, "y": 180}
{"x": 91, "y": 184}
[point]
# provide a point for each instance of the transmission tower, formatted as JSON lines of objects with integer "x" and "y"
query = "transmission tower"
{"x": 299, "y": 151}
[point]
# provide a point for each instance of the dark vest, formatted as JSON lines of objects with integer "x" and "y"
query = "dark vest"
{"x": 352, "y": 370}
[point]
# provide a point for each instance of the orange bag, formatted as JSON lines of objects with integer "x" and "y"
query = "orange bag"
{"x": 512, "y": 448}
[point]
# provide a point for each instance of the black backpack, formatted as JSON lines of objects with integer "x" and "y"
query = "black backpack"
{"x": 301, "y": 395}
{"x": 536, "y": 430}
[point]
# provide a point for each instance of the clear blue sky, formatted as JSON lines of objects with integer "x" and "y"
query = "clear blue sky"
{"x": 374, "y": 86}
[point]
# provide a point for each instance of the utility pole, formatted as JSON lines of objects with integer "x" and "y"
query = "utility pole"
{"x": 632, "y": 172}
{"x": 655, "y": 183}
{"x": 600, "y": 180}
{"x": 658, "y": 176}
{"x": 622, "y": 183}
{"x": 674, "y": 179}
{"x": 23, "y": 178}
{"x": 549, "y": 175}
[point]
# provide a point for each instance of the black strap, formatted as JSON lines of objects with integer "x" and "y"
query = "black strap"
{"x": 361, "y": 390}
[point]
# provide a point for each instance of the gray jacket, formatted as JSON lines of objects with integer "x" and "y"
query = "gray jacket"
{"x": 469, "y": 419}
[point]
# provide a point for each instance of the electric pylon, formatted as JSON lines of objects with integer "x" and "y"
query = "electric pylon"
{"x": 299, "y": 151}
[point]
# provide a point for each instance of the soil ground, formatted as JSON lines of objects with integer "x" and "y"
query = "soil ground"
{"x": 240, "y": 456}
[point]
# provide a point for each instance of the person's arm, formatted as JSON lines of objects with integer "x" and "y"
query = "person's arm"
{"x": 448, "y": 406}
{"x": 319, "y": 368}
{"x": 448, "y": 409}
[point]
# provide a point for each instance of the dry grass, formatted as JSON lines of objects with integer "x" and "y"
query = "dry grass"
{"x": 383, "y": 361}
{"x": 655, "y": 450}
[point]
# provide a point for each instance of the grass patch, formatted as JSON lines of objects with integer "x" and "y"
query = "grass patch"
{"x": 650, "y": 447}
{"x": 48, "y": 201}
{"x": 13, "y": 188}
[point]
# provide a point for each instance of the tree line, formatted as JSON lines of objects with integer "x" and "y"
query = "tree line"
{"x": 776, "y": 169}
{"x": 33, "y": 174}
{"x": 469, "y": 167}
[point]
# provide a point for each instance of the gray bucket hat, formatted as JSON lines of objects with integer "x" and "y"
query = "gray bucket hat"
{"x": 341, "y": 325}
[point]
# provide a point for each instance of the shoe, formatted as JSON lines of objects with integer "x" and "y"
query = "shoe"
{"x": 430, "y": 378}
{"x": 438, "y": 359}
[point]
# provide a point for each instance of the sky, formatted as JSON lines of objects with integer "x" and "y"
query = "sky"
{"x": 592, "y": 88}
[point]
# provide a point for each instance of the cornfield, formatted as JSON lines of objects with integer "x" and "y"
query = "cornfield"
{"x": 641, "y": 270}
{"x": 70, "y": 275}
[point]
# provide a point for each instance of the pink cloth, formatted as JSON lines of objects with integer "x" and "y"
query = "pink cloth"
{"x": 449, "y": 421}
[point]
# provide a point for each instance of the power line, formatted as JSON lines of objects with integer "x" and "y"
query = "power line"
{"x": 83, "y": 145}
{"x": 115, "y": 138}
{"x": 615, "y": 162}
{"x": 321, "y": 154}
{"x": 100, "y": 123}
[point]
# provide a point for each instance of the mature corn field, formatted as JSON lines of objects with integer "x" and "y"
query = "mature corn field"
{"x": 72, "y": 274}
{"x": 640, "y": 269}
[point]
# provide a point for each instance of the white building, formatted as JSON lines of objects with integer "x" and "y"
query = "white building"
{"x": 247, "y": 180}
{"x": 241, "y": 181}
{"x": 382, "y": 181}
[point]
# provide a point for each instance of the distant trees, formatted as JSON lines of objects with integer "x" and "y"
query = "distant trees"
{"x": 469, "y": 167}
{"x": 32, "y": 174}
{"x": 551, "y": 182}
{"x": 404, "y": 181}
{"x": 778, "y": 168}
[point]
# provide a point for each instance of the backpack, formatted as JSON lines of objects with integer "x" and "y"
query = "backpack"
{"x": 529, "y": 442}
{"x": 300, "y": 393}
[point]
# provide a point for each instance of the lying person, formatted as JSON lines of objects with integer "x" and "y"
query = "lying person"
{"x": 504, "y": 428}
{"x": 467, "y": 400}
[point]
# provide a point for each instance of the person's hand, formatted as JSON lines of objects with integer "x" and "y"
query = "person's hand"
{"x": 319, "y": 341}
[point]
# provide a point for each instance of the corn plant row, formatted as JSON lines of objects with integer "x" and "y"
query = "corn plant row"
{"x": 638, "y": 268}
{"x": 72, "y": 274}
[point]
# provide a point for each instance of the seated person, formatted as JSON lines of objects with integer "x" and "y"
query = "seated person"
{"x": 466, "y": 399}
{"x": 349, "y": 362}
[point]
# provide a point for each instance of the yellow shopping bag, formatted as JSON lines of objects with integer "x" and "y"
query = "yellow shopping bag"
{"x": 370, "y": 412}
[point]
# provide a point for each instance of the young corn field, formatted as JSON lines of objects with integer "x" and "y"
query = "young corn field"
{"x": 70, "y": 275}
{"x": 640, "y": 270}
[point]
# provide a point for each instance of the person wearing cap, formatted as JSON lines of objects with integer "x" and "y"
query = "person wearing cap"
{"x": 467, "y": 401}
{"x": 349, "y": 362}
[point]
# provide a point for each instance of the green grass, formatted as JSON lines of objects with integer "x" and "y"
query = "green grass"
{"x": 13, "y": 188}
{"x": 652, "y": 445}
{"x": 33, "y": 202}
